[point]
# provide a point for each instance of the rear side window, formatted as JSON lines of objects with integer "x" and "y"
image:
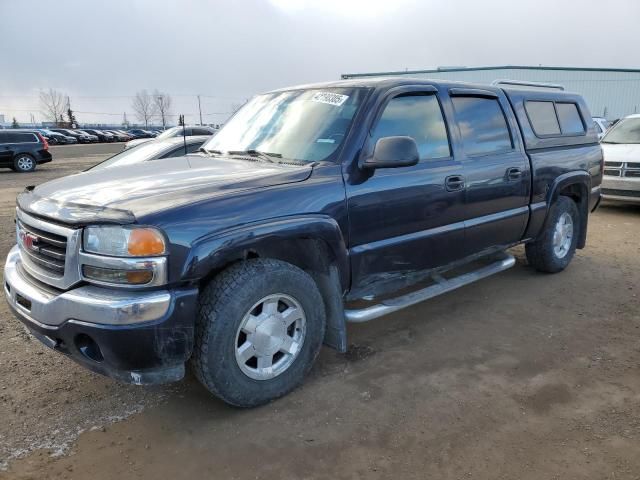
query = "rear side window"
{"x": 570, "y": 120}
{"x": 201, "y": 131}
{"x": 19, "y": 137}
{"x": 483, "y": 125}
{"x": 418, "y": 117}
{"x": 542, "y": 116}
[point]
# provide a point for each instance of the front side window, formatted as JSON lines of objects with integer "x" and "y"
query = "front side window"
{"x": 306, "y": 125}
{"x": 418, "y": 117}
{"x": 625, "y": 131}
{"x": 483, "y": 126}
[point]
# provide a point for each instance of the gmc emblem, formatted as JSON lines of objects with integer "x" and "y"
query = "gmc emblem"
{"x": 29, "y": 241}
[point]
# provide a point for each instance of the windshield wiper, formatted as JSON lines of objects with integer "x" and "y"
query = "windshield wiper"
{"x": 209, "y": 152}
{"x": 256, "y": 153}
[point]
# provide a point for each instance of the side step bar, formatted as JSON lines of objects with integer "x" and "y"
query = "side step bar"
{"x": 441, "y": 286}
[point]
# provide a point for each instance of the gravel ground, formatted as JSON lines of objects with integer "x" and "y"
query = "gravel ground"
{"x": 522, "y": 375}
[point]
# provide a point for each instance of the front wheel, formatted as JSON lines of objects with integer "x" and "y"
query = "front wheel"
{"x": 24, "y": 163}
{"x": 553, "y": 250}
{"x": 260, "y": 327}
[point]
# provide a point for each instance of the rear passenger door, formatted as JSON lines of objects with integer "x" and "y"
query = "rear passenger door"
{"x": 496, "y": 169}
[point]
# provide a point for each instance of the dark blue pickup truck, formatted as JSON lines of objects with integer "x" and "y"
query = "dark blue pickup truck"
{"x": 312, "y": 207}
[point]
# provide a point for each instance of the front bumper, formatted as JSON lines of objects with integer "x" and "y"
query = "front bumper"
{"x": 621, "y": 189}
{"x": 140, "y": 337}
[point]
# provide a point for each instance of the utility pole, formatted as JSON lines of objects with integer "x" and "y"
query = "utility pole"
{"x": 200, "y": 109}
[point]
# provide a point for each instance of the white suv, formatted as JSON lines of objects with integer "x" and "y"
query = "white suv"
{"x": 621, "y": 148}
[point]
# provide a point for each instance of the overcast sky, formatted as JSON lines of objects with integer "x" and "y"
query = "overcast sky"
{"x": 101, "y": 52}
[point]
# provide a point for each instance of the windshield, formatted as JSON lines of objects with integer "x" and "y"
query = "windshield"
{"x": 139, "y": 153}
{"x": 304, "y": 125}
{"x": 625, "y": 131}
{"x": 172, "y": 132}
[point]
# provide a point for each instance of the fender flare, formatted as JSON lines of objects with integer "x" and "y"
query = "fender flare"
{"x": 582, "y": 180}
{"x": 294, "y": 239}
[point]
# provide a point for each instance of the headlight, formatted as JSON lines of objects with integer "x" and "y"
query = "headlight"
{"x": 119, "y": 241}
{"x": 124, "y": 256}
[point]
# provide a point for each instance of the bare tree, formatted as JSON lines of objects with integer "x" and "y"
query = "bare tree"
{"x": 144, "y": 106}
{"x": 53, "y": 104}
{"x": 162, "y": 103}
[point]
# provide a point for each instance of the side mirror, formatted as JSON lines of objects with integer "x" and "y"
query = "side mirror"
{"x": 391, "y": 152}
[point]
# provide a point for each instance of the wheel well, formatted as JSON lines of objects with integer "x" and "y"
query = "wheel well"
{"x": 310, "y": 255}
{"x": 316, "y": 258}
{"x": 578, "y": 192}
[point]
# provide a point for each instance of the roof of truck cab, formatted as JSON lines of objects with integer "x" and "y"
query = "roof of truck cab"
{"x": 391, "y": 82}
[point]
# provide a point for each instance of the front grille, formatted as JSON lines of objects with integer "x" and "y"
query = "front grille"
{"x": 621, "y": 193}
{"x": 622, "y": 169}
{"x": 45, "y": 249}
{"x": 48, "y": 252}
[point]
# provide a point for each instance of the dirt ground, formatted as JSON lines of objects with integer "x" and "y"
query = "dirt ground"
{"x": 519, "y": 376}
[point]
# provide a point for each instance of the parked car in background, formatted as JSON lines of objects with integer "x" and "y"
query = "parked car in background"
{"x": 166, "y": 148}
{"x": 139, "y": 133}
{"x": 21, "y": 151}
{"x": 174, "y": 132}
{"x": 79, "y": 135}
{"x": 621, "y": 148}
{"x": 54, "y": 138}
{"x": 602, "y": 125}
{"x": 103, "y": 136}
{"x": 119, "y": 136}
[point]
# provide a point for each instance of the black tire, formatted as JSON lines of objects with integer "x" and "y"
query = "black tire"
{"x": 541, "y": 253}
{"x": 23, "y": 162}
{"x": 223, "y": 304}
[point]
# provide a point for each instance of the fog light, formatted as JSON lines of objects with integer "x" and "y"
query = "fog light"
{"x": 111, "y": 275}
{"x": 88, "y": 347}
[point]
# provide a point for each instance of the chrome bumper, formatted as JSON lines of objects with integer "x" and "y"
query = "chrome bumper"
{"x": 91, "y": 304}
{"x": 623, "y": 189}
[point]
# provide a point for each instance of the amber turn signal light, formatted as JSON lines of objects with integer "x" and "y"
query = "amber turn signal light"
{"x": 145, "y": 242}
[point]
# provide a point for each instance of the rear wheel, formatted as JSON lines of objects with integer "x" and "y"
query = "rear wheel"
{"x": 553, "y": 250}
{"x": 260, "y": 327}
{"x": 24, "y": 163}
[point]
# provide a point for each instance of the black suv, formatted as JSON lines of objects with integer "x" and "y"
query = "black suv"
{"x": 21, "y": 151}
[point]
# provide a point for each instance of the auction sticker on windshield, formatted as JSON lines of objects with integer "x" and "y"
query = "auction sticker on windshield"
{"x": 330, "y": 98}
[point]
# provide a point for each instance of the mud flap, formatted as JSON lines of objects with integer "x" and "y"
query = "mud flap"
{"x": 336, "y": 330}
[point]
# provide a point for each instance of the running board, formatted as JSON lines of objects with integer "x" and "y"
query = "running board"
{"x": 441, "y": 286}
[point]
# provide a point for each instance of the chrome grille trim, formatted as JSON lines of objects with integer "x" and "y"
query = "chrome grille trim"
{"x": 56, "y": 263}
{"x": 622, "y": 169}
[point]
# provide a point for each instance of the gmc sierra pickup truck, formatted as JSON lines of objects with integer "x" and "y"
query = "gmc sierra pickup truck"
{"x": 313, "y": 206}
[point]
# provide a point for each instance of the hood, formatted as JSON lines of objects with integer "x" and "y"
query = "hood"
{"x": 623, "y": 152}
{"x": 122, "y": 194}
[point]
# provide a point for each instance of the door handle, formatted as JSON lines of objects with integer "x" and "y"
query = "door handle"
{"x": 514, "y": 173}
{"x": 454, "y": 183}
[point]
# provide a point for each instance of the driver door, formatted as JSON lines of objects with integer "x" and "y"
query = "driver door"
{"x": 406, "y": 219}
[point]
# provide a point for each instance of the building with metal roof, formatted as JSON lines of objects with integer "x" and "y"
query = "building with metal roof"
{"x": 610, "y": 92}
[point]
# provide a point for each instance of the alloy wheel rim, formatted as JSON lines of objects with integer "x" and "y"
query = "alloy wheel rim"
{"x": 563, "y": 235}
{"x": 25, "y": 163}
{"x": 270, "y": 336}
